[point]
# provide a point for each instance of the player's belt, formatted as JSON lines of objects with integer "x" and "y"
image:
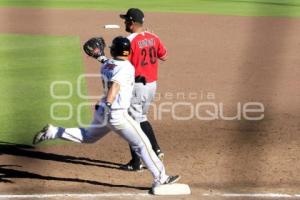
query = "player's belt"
{"x": 140, "y": 79}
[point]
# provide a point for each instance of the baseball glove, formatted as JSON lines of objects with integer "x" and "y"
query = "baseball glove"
{"x": 94, "y": 47}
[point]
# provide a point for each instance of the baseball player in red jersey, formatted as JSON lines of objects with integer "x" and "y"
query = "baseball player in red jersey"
{"x": 146, "y": 50}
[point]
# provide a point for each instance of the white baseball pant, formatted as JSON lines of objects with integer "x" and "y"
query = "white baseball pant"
{"x": 120, "y": 122}
{"x": 142, "y": 97}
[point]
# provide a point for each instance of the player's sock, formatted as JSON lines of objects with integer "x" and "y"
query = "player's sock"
{"x": 51, "y": 132}
{"x": 147, "y": 129}
{"x": 135, "y": 158}
{"x": 72, "y": 134}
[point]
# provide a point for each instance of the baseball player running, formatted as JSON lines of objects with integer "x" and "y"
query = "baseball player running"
{"x": 146, "y": 49}
{"x": 112, "y": 112}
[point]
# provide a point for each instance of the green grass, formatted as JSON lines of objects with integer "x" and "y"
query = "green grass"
{"x": 289, "y": 8}
{"x": 28, "y": 66}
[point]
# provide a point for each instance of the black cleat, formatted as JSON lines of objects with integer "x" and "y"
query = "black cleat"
{"x": 131, "y": 166}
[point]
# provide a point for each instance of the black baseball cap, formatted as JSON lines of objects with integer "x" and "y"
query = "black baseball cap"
{"x": 134, "y": 14}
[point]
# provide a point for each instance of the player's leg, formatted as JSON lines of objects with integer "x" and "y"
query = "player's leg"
{"x": 148, "y": 130}
{"x": 135, "y": 164}
{"x": 135, "y": 111}
{"x": 139, "y": 142}
{"x": 148, "y": 96}
{"x": 97, "y": 129}
{"x": 143, "y": 95}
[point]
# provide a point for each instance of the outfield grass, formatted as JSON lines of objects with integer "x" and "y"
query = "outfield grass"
{"x": 289, "y": 8}
{"x": 28, "y": 66}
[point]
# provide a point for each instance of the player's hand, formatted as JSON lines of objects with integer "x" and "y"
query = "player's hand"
{"x": 102, "y": 59}
{"x": 107, "y": 108}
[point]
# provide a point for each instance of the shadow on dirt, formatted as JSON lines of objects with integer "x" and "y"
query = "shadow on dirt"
{"x": 8, "y": 172}
{"x": 260, "y": 74}
{"x": 27, "y": 151}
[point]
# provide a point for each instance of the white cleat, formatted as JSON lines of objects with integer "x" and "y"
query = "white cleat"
{"x": 42, "y": 135}
{"x": 172, "y": 179}
{"x": 171, "y": 187}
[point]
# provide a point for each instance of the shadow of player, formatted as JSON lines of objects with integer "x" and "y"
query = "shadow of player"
{"x": 28, "y": 151}
{"x": 7, "y": 173}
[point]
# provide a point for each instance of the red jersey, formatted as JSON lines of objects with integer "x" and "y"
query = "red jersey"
{"x": 146, "y": 48}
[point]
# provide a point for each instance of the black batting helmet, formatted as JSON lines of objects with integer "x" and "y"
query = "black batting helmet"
{"x": 120, "y": 47}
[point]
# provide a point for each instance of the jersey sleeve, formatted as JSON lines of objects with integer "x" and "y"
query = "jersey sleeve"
{"x": 161, "y": 49}
{"x": 131, "y": 37}
{"x": 132, "y": 51}
{"x": 130, "y": 55}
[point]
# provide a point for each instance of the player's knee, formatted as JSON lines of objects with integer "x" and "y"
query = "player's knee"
{"x": 88, "y": 137}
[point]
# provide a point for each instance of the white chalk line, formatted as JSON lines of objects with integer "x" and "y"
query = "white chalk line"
{"x": 120, "y": 195}
{"x": 73, "y": 195}
{"x": 261, "y": 195}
